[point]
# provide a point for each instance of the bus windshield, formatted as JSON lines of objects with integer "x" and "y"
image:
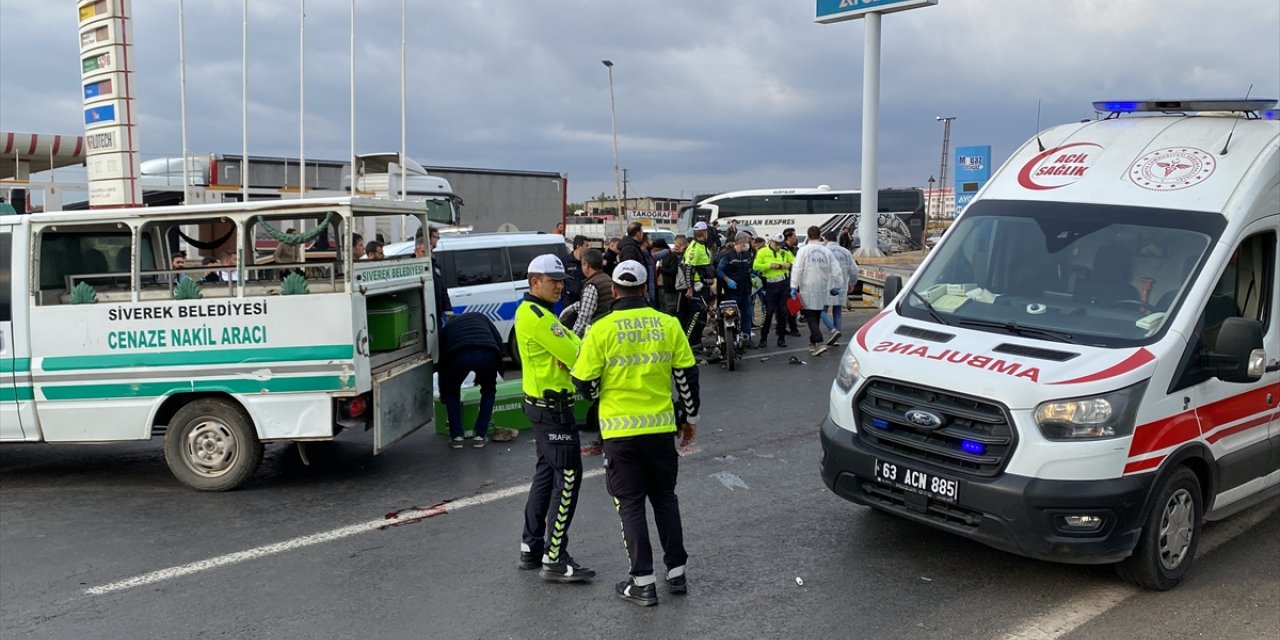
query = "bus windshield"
{"x": 1077, "y": 273}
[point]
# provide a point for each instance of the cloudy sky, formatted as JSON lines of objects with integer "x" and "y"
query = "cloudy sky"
{"x": 712, "y": 95}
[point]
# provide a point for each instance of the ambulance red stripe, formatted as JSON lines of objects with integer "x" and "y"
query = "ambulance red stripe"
{"x": 862, "y": 333}
{"x": 1243, "y": 426}
{"x": 1143, "y": 465}
{"x": 1182, "y": 427}
{"x": 1139, "y": 358}
{"x": 1164, "y": 433}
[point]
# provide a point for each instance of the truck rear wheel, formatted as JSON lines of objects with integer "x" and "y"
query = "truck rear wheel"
{"x": 211, "y": 445}
{"x": 1170, "y": 535}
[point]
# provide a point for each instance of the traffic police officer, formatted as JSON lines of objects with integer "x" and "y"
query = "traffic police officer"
{"x": 774, "y": 264}
{"x": 700, "y": 274}
{"x": 628, "y": 359}
{"x": 547, "y": 351}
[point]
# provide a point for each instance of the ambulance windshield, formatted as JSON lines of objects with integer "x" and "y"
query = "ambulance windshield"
{"x": 1089, "y": 274}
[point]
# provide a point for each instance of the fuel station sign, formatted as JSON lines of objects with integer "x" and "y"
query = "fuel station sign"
{"x": 106, "y": 75}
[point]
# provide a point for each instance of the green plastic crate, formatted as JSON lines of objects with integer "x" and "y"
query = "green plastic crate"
{"x": 388, "y": 324}
{"x": 508, "y": 408}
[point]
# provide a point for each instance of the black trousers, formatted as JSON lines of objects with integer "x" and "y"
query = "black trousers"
{"x": 775, "y": 307}
{"x": 639, "y": 468}
{"x": 557, "y": 476}
{"x": 697, "y": 323}
{"x": 813, "y": 317}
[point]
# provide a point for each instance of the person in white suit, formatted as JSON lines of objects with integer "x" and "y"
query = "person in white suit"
{"x": 814, "y": 279}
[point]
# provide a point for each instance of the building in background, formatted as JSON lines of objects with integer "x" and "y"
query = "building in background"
{"x": 940, "y": 203}
{"x": 607, "y": 206}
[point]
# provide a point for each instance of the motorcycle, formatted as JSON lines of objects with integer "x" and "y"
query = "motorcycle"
{"x": 730, "y": 342}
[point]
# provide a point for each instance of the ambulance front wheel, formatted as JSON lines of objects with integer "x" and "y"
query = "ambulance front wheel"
{"x": 211, "y": 445}
{"x": 1170, "y": 534}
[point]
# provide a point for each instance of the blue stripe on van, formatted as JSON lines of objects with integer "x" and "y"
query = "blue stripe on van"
{"x": 495, "y": 312}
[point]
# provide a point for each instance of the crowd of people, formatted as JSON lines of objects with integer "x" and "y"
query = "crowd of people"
{"x": 785, "y": 280}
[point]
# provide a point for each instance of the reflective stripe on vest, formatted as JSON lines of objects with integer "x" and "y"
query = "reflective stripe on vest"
{"x": 637, "y": 425}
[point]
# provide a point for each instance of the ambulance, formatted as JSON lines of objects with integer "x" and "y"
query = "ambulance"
{"x": 106, "y": 337}
{"x": 1087, "y": 366}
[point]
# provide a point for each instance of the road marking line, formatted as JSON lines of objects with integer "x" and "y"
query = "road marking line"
{"x": 313, "y": 539}
{"x": 1065, "y": 618}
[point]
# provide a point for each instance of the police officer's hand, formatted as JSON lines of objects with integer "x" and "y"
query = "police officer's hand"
{"x": 687, "y": 431}
{"x": 733, "y": 286}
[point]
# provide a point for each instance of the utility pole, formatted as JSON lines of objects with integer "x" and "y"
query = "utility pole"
{"x": 942, "y": 166}
{"x": 625, "y": 206}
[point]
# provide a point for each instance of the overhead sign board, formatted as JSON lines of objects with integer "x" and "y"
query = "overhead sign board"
{"x": 840, "y": 10}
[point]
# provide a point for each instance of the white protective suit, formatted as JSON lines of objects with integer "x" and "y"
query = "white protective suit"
{"x": 814, "y": 274}
{"x": 846, "y": 273}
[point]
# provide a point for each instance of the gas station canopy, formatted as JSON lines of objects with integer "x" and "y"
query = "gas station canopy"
{"x": 22, "y": 154}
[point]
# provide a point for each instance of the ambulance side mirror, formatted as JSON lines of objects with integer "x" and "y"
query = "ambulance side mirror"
{"x": 1237, "y": 355}
{"x": 892, "y": 287}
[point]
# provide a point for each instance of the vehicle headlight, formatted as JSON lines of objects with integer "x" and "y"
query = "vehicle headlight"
{"x": 849, "y": 371}
{"x": 1109, "y": 415}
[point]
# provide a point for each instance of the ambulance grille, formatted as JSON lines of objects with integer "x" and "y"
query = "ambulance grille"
{"x": 976, "y": 436}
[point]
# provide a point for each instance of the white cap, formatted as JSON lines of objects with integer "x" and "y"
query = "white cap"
{"x": 630, "y": 273}
{"x": 778, "y": 238}
{"x": 701, "y": 226}
{"x": 548, "y": 265}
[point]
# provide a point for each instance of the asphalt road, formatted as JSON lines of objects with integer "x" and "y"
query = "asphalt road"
{"x": 773, "y": 552}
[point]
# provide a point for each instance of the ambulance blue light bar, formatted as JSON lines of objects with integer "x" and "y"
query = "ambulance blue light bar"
{"x": 1184, "y": 106}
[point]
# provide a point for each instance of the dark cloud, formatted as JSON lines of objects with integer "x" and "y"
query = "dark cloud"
{"x": 711, "y": 95}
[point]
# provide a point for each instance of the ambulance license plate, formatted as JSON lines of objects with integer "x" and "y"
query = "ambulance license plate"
{"x": 931, "y": 486}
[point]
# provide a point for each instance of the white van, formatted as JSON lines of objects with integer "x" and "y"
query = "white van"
{"x": 486, "y": 272}
{"x": 1085, "y": 368}
{"x": 104, "y": 337}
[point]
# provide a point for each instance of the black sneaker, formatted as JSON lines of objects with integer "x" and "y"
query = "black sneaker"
{"x": 566, "y": 571}
{"x": 795, "y": 333}
{"x": 679, "y": 584}
{"x": 764, "y": 341}
{"x": 835, "y": 338}
{"x": 782, "y": 342}
{"x": 530, "y": 560}
{"x": 645, "y": 596}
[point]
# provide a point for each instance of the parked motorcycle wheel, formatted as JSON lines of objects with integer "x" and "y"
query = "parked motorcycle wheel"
{"x": 731, "y": 347}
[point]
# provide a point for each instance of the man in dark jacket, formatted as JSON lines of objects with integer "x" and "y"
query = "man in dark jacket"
{"x": 573, "y": 269}
{"x": 469, "y": 343}
{"x": 444, "y": 307}
{"x": 669, "y": 267}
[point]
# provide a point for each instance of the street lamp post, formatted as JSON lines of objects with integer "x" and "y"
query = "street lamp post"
{"x": 613, "y": 119}
{"x": 928, "y": 215}
{"x": 931, "y": 209}
{"x": 946, "y": 144}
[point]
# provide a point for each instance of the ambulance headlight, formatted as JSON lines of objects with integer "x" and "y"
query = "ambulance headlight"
{"x": 1110, "y": 415}
{"x": 849, "y": 371}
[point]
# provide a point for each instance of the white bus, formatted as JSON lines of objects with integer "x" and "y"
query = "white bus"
{"x": 769, "y": 211}
{"x": 104, "y": 338}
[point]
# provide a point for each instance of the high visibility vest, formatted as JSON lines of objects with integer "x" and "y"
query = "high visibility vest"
{"x": 766, "y": 256}
{"x": 697, "y": 256}
{"x": 632, "y": 352}
{"x": 547, "y": 349}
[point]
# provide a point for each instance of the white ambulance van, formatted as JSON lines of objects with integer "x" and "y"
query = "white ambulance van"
{"x": 1087, "y": 366}
{"x": 105, "y": 338}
